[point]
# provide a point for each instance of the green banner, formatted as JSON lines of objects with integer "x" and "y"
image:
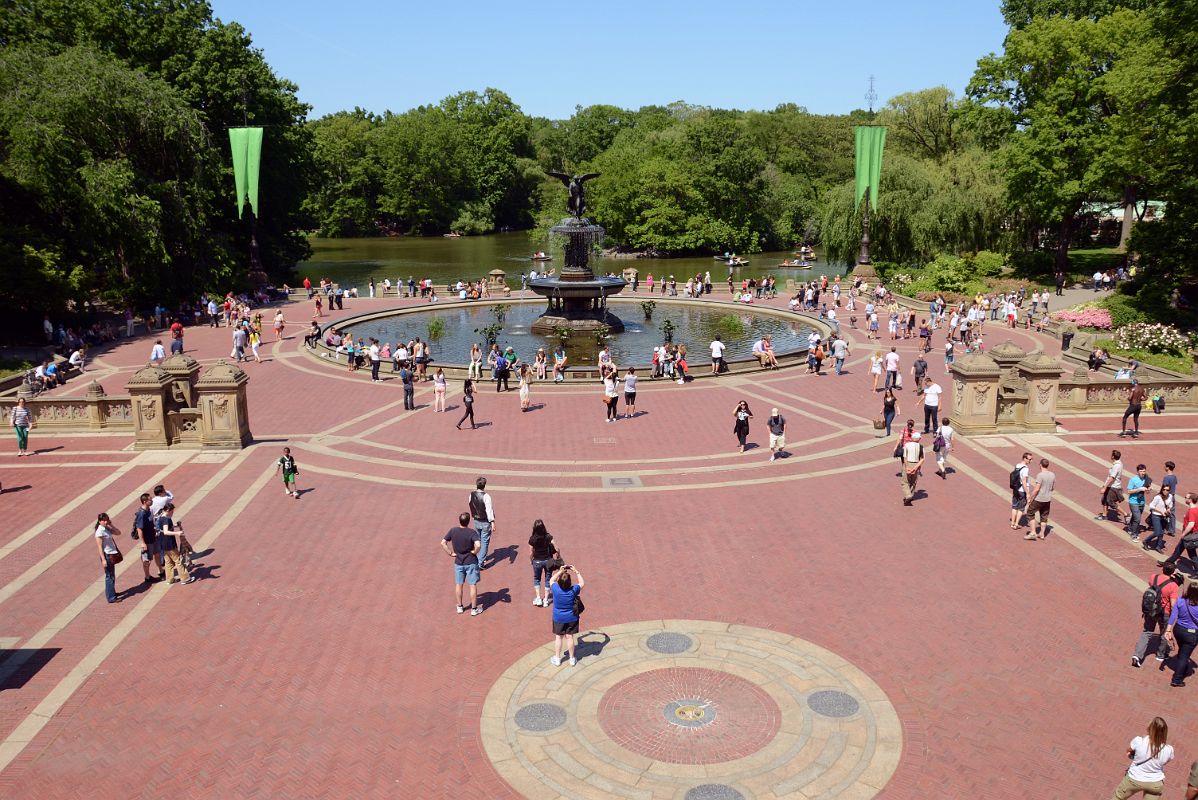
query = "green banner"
{"x": 870, "y": 142}
{"x": 246, "y": 144}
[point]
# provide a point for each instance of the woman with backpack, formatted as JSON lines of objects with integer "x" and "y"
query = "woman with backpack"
{"x": 1149, "y": 755}
{"x": 1182, "y": 630}
{"x": 567, "y": 606}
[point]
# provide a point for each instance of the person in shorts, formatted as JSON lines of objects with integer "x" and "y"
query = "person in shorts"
{"x": 143, "y": 525}
{"x": 1040, "y": 503}
{"x": 777, "y": 426}
{"x": 1019, "y": 494}
{"x": 462, "y": 544}
{"x": 563, "y": 592}
{"x": 286, "y": 465}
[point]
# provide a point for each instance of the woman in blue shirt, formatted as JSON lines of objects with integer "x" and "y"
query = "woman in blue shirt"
{"x": 1182, "y": 630}
{"x": 565, "y": 621}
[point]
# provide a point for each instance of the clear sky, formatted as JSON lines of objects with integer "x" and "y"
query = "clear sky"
{"x": 551, "y": 56}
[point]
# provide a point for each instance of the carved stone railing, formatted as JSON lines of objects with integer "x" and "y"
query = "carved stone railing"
{"x": 94, "y": 411}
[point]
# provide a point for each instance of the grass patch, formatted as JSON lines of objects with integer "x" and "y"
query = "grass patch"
{"x": 13, "y": 366}
{"x": 1083, "y": 263}
{"x": 1183, "y": 364}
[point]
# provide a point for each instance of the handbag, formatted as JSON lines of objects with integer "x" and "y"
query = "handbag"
{"x": 579, "y": 607}
{"x": 115, "y": 558}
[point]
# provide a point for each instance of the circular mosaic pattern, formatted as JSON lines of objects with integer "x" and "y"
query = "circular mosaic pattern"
{"x": 716, "y": 716}
{"x": 832, "y": 703}
{"x": 713, "y": 791}
{"x": 669, "y": 643}
{"x": 739, "y": 713}
{"x": 540, "y": 717}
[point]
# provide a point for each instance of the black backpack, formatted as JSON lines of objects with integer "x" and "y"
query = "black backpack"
{"x": 1150, "y": 603}
{"x": 1016, "y": 479}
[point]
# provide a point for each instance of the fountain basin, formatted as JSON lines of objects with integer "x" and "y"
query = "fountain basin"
{"x": 577, "y": 302}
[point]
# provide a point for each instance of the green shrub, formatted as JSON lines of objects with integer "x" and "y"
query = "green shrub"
{"x": 436, "y": 328}
{"x": 987, "y": 264}
{"x": 946, "y": 273}
{"x": 1124, "y": 310}
{"x": 1034, "y": 264}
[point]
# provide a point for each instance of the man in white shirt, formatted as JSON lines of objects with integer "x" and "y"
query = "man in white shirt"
{"x": 931, "y": 405}
{"x": 1098, "y": 280}
{"x": 891, "y": 362}
{"x": 717, "y": 355}
{"x": 759, "y": 351}
{"x": 76, "y": 359}
{"x": 213, "y": 313}
{"x": 1112, "y": 488}
{"x": 375, "y": 361}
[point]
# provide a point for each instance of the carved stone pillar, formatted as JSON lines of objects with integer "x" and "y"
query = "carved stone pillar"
{"x": 1007, "y": 355}
{"x": 975, "y": 392}
{"x": 96, "y": 407}
{"x": 1042, "y": 373}
{"x": 224, "y": 413}
{"x": 149, "y": 387}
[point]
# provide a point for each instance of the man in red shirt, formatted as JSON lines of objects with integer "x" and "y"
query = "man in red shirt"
{"x": 176, "y": 336}
{"x": 308, "y": 287}
{"x": 1152, "y": 622}
{"x": 1189, "y": 532}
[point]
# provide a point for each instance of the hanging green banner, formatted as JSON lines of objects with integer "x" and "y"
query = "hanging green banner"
{"x": 246, "y": 144}
{"x": 870, "y": 142}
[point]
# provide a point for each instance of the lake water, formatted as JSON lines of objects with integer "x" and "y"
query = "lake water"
{"x": 352, "y": 262}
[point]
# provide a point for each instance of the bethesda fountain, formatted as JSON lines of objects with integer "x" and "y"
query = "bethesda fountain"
{"x": 577, "y": 299}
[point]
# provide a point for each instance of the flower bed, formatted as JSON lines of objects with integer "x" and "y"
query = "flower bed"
{"x": 1097, "y": 318}
{"x": 1156, "y": 337}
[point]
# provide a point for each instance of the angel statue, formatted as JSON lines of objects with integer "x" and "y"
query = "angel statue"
{"x": 577, "y": 205}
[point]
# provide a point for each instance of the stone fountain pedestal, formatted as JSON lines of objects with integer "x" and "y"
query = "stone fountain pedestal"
{"x": 577, "y": 299}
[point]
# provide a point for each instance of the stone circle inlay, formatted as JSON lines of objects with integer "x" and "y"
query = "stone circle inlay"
{"x": 669, "y": 643}
{"x": 832, "y": 703}
{"x": 717, "y": 717}
{"x": 540, "y": 717}
{"x": 741, "y": 713}
{"x": 713, "y": 791}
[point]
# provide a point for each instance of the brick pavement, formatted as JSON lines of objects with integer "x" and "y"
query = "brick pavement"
{"x": 319, "y": 655}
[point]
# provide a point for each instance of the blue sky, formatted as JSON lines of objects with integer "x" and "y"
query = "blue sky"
{"x": 551, "y": 56}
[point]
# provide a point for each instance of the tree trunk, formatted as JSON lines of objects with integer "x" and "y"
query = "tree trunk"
{"x": 1066, "y": 233}
{"x": 1129, "y": 218}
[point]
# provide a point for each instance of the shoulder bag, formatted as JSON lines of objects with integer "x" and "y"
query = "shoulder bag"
{"x": 579, "y": 607}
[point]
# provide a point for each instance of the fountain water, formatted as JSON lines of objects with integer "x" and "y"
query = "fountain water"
{"x": 577, "y": 300}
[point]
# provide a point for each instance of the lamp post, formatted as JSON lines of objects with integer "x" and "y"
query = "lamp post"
{"x": 863, "y": 257}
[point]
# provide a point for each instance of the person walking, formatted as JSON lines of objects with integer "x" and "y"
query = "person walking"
{"x": 286, "y": 465}
{"x": 1137, "y": 500}
{"x": 840, "y": 351}
{"x": 912, "y": 462}
{"x": 110, "y": 554}
{"x": 407, "y": 378}
{"x": 482, "y": 510}
{"x": 890, "y": 407}
{"x": 1135, "y": 404}
{"x": 542, "y": 552}
{"x": 1112, "y": 489}
{"x": 566, "y": 608}
{"x": 461, "y": 543}
{"x": 1182, "y": 630}
{"x": 168, "y": 543}
{"x": 1188, "y": 540}
{"x": 525, "y": 381}
{"x": 941, "y": 446}
{"x": 1156, "y": 606}
{"x": 777, "y": 426}
{"x": 931, "y": 405}
{"x": 742, "y": 415}
{"x": 875, "y": 367}
{"x": 1149, "y": 755}
{"x": 21, "y": 419}
{"x": 630, "y": 393}
{"x": 468, "y": 402}
{"x": 1159, "y": 511}
{"x": 1041, "y": 501}
{"x": 439, "y": 390}
{"x": 145, "y": 527}
{"x": 891, "y": 362}
{"x": 1019, "y": 489}
{"x": 1170, "y": 480}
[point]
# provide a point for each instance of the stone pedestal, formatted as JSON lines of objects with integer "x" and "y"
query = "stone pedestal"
{"x": 1041, "y": 374}
{"x": 95, "y": 405}
{"x": 1007, "y": 355}
{"x": 224, "y": 412}
{"x": 148, "y": 388}
{"x": 975, "y": 394}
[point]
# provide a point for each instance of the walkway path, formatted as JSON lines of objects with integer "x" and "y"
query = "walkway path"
{"x": 929, "y": 650}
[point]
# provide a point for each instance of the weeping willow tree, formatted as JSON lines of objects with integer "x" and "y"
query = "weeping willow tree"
{"x": 924, "y": 208}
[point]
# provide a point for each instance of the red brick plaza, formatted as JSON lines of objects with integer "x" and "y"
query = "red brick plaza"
{"x": 753, "y": 629}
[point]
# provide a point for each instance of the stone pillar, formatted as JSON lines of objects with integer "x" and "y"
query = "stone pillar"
{"x": 149, "y": 387}
{"x": 96, "y": 407}
{"x": 1042, "y": 374}
{"x": 184, "y": 370}
{"x": 1007, "y": 355}
{"x": 975, "y": 394}
{"x": 225, "y": 419}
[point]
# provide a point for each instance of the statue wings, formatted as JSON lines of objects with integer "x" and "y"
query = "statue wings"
{"x": 568, "y": 179}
